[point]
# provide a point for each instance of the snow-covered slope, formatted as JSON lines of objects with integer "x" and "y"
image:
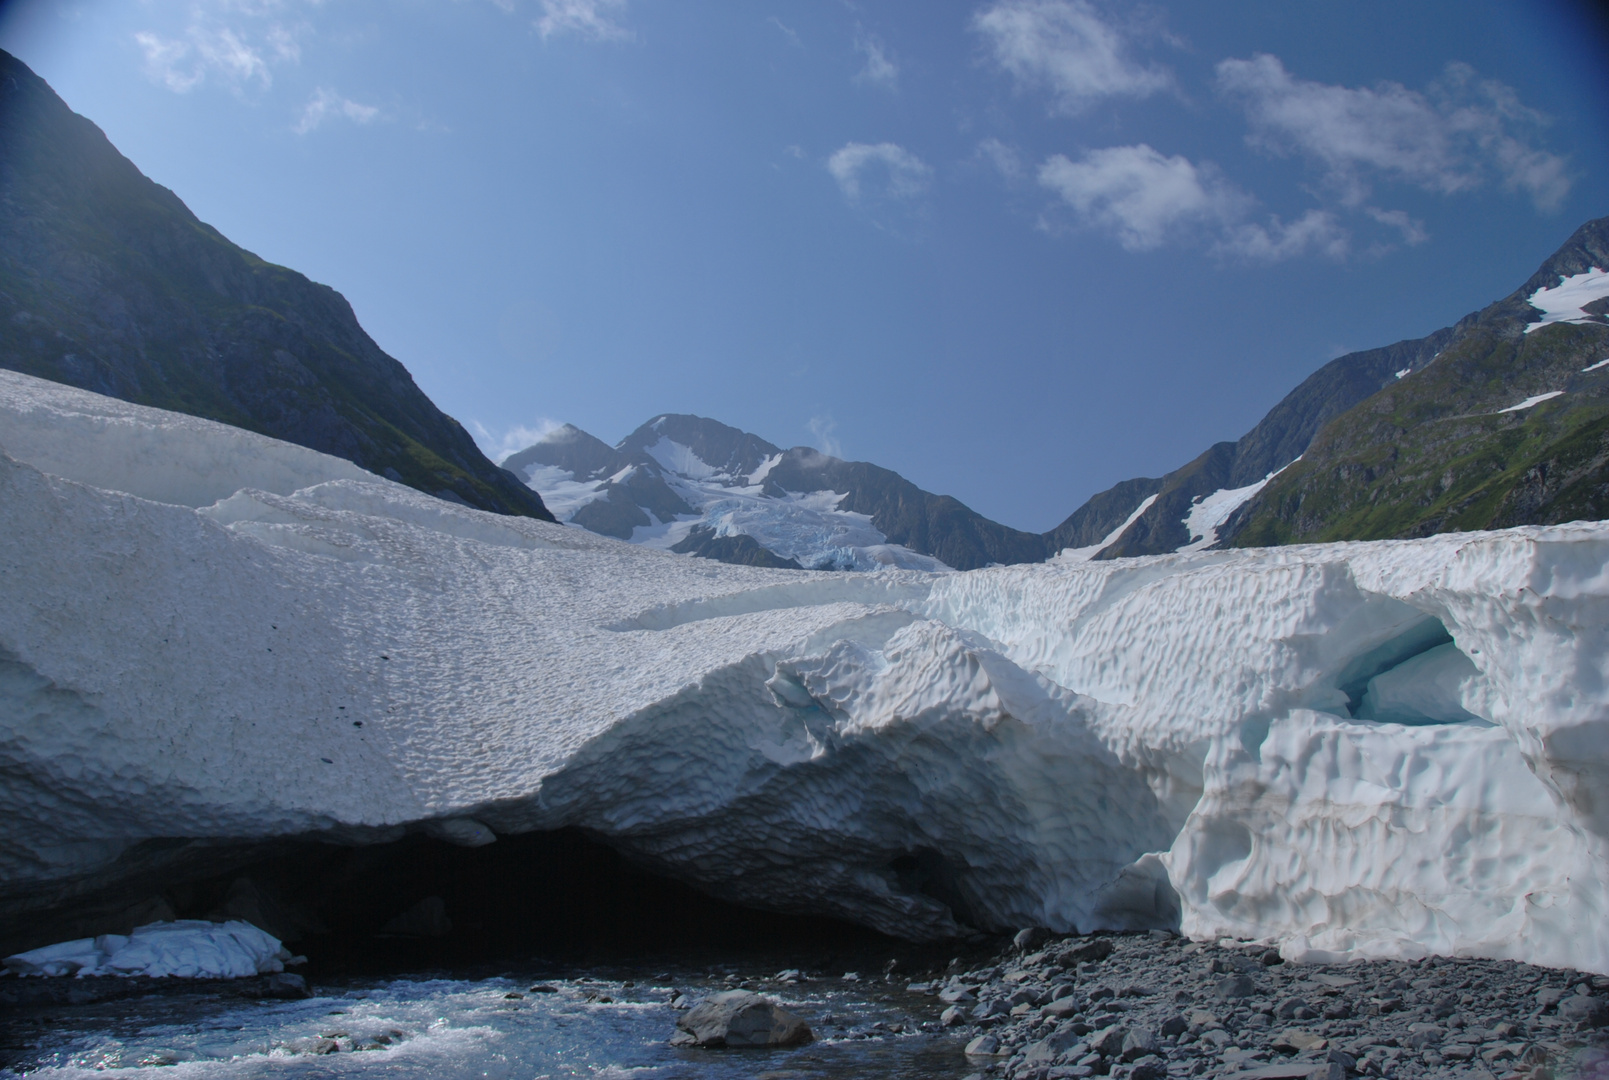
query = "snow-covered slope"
{"x": 698, "y": 487}
{"x": 1384, "y": 748}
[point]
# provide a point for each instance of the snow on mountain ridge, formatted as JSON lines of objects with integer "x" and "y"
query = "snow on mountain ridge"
{"x": 1566, "y": 302}
{"x": 727, "y": 499}
{"x": 1180, "y": 740}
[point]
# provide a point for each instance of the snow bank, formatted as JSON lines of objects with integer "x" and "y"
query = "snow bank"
{"x": 185, "y": 949}
{"x": 1352, "y": 749}
{"x": 1566, "y": 301}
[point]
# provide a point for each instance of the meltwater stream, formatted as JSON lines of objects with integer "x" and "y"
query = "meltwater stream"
{"x": 514, "y": 1026}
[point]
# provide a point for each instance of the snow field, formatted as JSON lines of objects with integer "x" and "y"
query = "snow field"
{"x": 1350, "y": 749}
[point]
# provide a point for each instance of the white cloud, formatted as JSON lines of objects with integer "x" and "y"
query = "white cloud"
{"x": 1147, "y": 199}
{"x": 1004, "y": 158}
{"x": 499, "y": 445}
{"x": 1315, "y": 231}
{"x": 1412, "y": 229}
{"x": 904, "y": 175}
{"x": 236, "y": 44}
{"x": 880, "y": 69}
{"x": 789, "y": 32}
{"x": 587, "y": 18}
{"x": 1446, "y": 140}
{"x": 1066, "y": 47}
{"x": 327, "y": 104}
{"x": 1140, "y": 195}
{"x": 822, "y": 428}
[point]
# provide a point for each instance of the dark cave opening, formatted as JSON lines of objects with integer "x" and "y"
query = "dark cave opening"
{"x": 545, "y": 899}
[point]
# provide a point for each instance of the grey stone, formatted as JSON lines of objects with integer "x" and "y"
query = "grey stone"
{"x": 1051, "y": 1047}
{"x": 1174, "y": 1025}
{"x": 1089, "y": 952}
{"x": 285, "y": 987}
{"x": 1108, "y": 1042}
{"x": 1139, "y": 1042}
{"x": 955, "y": 995}
{"x": 1444, "y": 1006}
{"x": 983, "y": 1046}
{"x": 741, "y": 1018}
{"x": 1549, "y": 996}
{"x": 1236, "y": 986}
{"x": 1060, "y": 1009}
{"x": 1153, "y": 1068}
{"x": 1030, "y": 938}
{"x": 1286, "y": 1010}
{"x": 953, "y": 1016}
{"x": 1584, "y": 1011}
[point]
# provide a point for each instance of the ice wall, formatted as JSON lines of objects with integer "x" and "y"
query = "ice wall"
{"x": 1351, "y": 749}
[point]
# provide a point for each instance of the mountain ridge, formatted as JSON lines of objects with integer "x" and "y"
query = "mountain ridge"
{"x": 109, "y": 283}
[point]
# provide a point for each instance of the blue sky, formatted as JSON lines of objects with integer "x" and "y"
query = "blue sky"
{"x": 1017, "y": 250}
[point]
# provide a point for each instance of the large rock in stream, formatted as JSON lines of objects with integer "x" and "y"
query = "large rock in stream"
{"x": 739, "y": 1018}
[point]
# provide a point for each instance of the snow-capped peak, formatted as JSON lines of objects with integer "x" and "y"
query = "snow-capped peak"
{"x": 1565, "y": 301}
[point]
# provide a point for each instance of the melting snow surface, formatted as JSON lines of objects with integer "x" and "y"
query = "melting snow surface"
{"x": 1208, "y": 512}
{"x": 1530, "y": 401}
{"x": 1595, "y": 367}
{"x": 1563, "y": 302}
{"x": 186, "y": 949}
{"x": 1085, "y": 554}
{"x": 1403, "y": 373}
{"x": 1370, "y": 749}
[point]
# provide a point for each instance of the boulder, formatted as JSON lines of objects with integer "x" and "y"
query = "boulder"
{"x": 740, "y": 1018}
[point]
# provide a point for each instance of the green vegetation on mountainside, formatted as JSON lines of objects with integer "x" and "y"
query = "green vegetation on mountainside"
{"x": 1437, "y": 452}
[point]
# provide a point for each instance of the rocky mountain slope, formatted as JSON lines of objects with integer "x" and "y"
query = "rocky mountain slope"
{"x": 1501, "y": 419}
{"x": 697, "y": 486}
{"x": 109, "y": 283}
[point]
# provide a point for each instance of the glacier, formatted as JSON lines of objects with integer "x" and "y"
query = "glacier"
{"x": 1349, "y": 750}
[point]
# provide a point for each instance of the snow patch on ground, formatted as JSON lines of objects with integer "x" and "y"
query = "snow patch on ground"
{"x": 1085, "y": 554}
{"x": 185, "y": 949}
{"x": 1594, "y": 367}
{"x": 1404, "y": 373}
{"x": 1208, "y": 512}
{"x": 1350, "y": 749}
{"x": 1564, "y": 301}
{"x": 561, "y": 492}
{"x": 1530, "y": 401}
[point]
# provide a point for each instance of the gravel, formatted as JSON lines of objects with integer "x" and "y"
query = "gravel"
{"x": 1150, "y": 1006}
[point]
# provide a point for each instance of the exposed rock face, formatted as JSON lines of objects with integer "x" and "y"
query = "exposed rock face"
{"x": 1377, "y": 749}
{"x": 108, "y": 282}
{"x": 739, "y": 1018}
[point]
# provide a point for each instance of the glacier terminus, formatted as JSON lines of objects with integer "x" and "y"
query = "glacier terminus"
{"x": 1393, "y": 748}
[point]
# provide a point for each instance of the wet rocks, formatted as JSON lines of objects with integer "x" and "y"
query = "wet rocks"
{"x": 740, "y": 1018}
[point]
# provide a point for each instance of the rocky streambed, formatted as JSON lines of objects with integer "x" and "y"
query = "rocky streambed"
{"x": 1149, "y": 1006}
{"x": 1141, "y": 1006}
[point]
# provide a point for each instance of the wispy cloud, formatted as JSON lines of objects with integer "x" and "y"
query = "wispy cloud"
{"x": 1316, "y": 231}
{"x": 896, "y": 172}
{"x": 1448, "y": 139}
{"x": 1005, "y": 159}
{"x": 326, "y": 104}
{"x": 222, "y": 53}
{"x": 1067, "y": 48}
{"x": 789, "y": 32}
{"x": 821, "y": 429}
{"x": 1413, "y": 230}
{"x": 499, "y": 445}
{"x": 594, "y": 19}
{"x": 1147, "y": 199}
{"x": 880, "y": 69}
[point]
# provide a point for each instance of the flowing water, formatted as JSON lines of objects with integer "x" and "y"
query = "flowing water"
{"x": 451, "y": 1028}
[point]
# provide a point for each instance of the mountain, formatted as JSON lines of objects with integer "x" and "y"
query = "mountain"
{"x": 109, "y": 283}
{"x": 700, "y": 487}
{"x": 1501, "y": 419}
